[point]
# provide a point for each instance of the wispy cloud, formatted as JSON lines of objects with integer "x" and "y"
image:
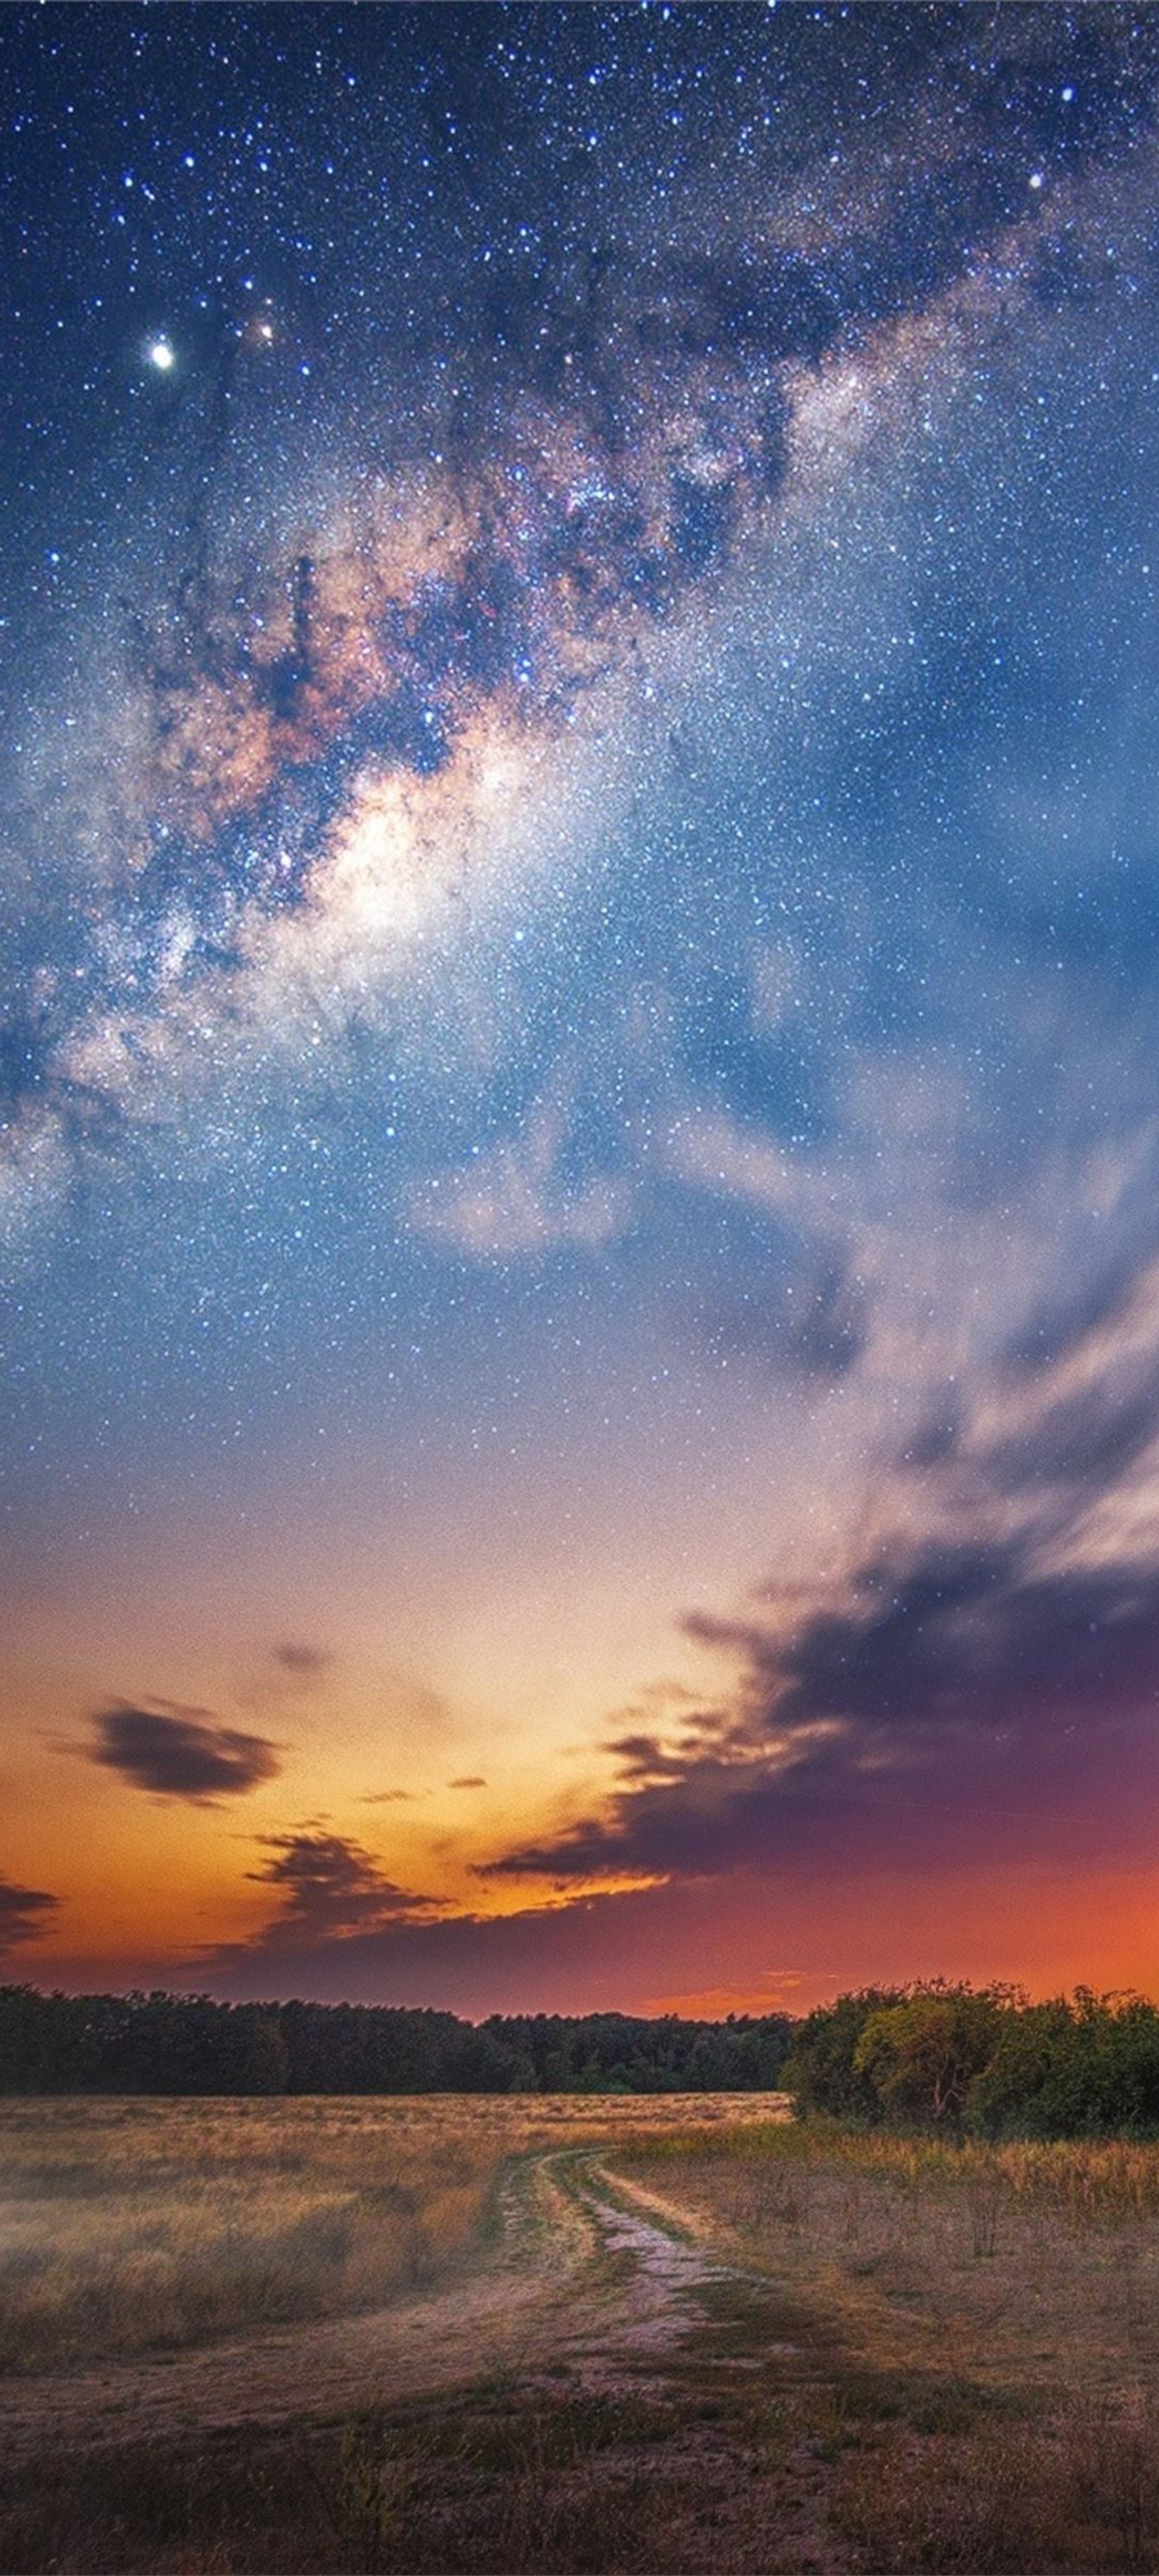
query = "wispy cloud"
{"x": 514, "y": 1199}
{"x": 24, "y": 1911}
{"x": 330, "y": 1888}
{"x": 715, "y": 1152}
{"x": 306, "y": 1664}
{"x": 982, "y": 1667}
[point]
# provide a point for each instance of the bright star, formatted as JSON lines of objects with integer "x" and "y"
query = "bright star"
{"x": 161, "y": 353}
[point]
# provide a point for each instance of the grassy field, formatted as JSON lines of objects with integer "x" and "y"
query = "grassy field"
{"x": 520, "y": 2336}
{"x": 131, "y": 2226}
{"x": 977, "y": 2376}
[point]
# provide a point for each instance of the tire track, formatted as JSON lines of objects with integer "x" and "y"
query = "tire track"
{"x": 585, "y": 2270}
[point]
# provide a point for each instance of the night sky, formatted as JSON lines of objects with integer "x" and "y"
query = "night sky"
{"x": 579, "y": 1000}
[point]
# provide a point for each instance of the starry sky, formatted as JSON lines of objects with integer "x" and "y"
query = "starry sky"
{"x": 579, "y": 1000}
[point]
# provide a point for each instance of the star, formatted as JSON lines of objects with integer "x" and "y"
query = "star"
{"x": 259, "y": 331}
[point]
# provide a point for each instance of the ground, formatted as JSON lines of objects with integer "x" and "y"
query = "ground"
{"x": 602, "y": 2335}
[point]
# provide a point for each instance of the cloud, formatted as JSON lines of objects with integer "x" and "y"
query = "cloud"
{"x": 777, "y": 1990}
{"x": 514, "y": 1199}
{"x": 468, "y": 1780}
{"x": 716, "y": 1153}
{"x": 965, "y": 1636}
{"x": 181, "y": 1752}
{"x": 1076, "y": 1408}
{"x": 987, "y": 1667}
{"x": 577, "y": 1957}
{"x": 813, "y": 1326}
{"x": 809, "y": 1318}
{"x": 684, "y": 1815}
{"x": 331, "y": 1888}
{"x": 827, "y": 1334}
{"x": 306, "y": 1664}
{"x": 1066, "y": 1318}
{"x": 953, "y": 1691}
{"x": 23, "y": 1912}
{"x": 386, "y": 1797}
{"x": 1085, "y": 1439}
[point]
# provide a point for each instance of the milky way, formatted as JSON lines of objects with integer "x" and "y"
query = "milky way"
{"x": 580, "y": 1142}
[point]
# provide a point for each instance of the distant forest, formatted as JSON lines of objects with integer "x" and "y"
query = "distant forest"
{"x": 950, "y": 2059}
{"x": 160, "y": 2043}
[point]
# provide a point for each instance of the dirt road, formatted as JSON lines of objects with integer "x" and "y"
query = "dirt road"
{"x": 585, "y": 2270}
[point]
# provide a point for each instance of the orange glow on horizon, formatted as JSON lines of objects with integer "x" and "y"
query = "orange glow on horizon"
{"x": 1035, "y": 1929}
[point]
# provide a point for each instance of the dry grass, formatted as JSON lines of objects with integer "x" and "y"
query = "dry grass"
{"x": 502, "y": 2485}
{"x": 134, "y": 2225}
{"x": 910, "y": 2357}
{"x": 129, "y": 2225}
{"x": 978, "y": 2379}
{"x": 1088, "y": 2179}
{"x": 1034, "y": 2267}
{"x": 1077, "y": 2492}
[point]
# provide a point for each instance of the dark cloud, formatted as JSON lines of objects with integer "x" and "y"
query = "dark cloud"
{"x": 814, "y": 1324}
{"x": 181, "y": 1752}
{"x": 577, "y": 1957}
{"x": 1062, "y": 1322}
{"x": 305, "y": 1663}
{"x": 953, "y": 1683}
{"x": 1085, "y": 1439}
{"x": 23, "y": 1912}
{"x": 1070, "y": 1437}
{"x": 387, "y": 1798}
{"x": 468, "y": 1780}
{"x": 1008, "y": 1671}
{"x": 331, "y": 1887}
{"x": 967, "y": 1634}
{"x": 936, "y": 1439}
{"x": 828, "y": 1332}
{"x": 840, "y": 1926}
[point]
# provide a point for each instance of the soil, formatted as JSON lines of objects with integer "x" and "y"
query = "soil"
{"x": 586, "y": 2271}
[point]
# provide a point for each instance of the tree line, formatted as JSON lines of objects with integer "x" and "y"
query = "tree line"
{"x": 954, "y": 2059}
{"x": 980, "y": 2061}
{"x": 166, "y": 2044}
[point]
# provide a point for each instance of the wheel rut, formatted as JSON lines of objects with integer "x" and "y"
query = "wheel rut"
{"x": 584, "y": 2271}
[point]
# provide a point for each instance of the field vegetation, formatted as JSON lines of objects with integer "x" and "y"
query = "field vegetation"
{"x": 574, "y": 2335}
{"x": 125, "y": 2227}
{"x": 133, "y": 2226}
{"x": 976, "y": 2371}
